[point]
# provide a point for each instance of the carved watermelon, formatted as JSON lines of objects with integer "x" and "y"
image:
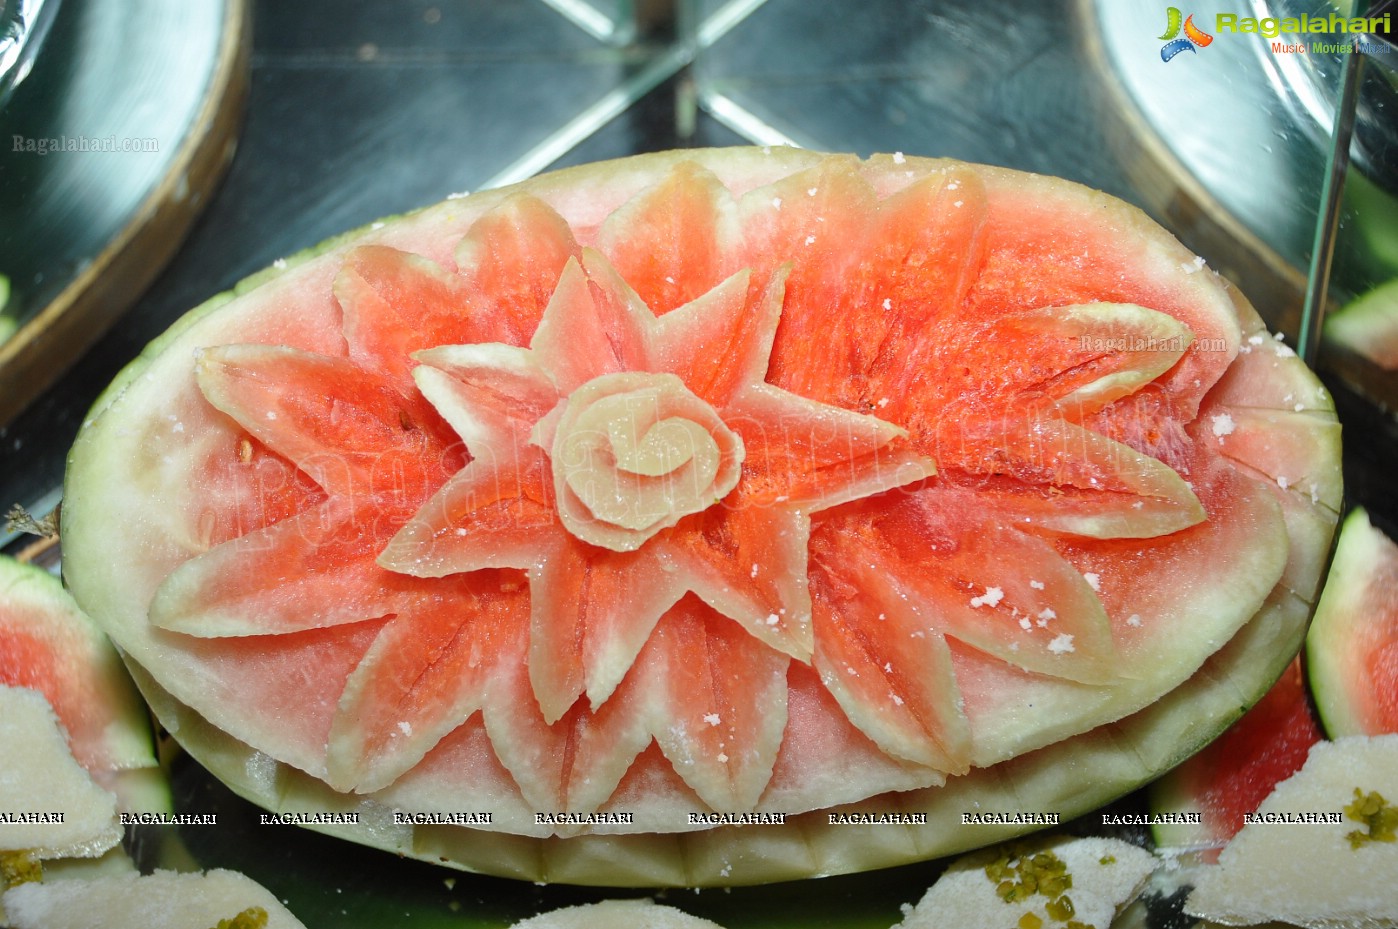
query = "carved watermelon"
{"x": 709, "y": 484}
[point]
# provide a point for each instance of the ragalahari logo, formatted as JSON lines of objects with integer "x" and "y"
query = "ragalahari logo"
{"x": 1174, "y": 43}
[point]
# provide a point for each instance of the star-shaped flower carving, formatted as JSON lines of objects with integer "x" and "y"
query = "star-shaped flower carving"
{"x": 644, "y": 457}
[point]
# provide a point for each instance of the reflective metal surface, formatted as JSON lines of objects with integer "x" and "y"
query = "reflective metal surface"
{"x": 23, "y": 26}
{"x": 110, "y": 149}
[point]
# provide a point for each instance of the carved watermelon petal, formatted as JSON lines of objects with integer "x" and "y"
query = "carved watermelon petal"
{"x": 396, "y": 303}
{"x": 594, "y": 325}
{"x": 313, "y": 570}
{"x": 510, "y": 261}
{"x": 492, "y": 394}
{"x": 425, "y": 674}
{"x": 377, "y": 452}
{"x": 1003, "y": 591}
{"x": 720, "y": 703}
{"x": 676, "y": 240}
{"x": 815, "y": 220}
{"x": 745, "y": 561}
{"x": 688, "y": 341}
{"x": 592, "y": 612}
{"x": 353, "y": 432}
{"x": 48, "y": 645}
{"x": 867, "y": 640}
{"x": 864, "y": 303}
{"x": 574, "y": 764}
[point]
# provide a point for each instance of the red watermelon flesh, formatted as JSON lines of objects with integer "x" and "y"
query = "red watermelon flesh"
{"x": 1352, "y": 647}
{"x": 1236, "y": 772}
{"x": 48, "y": 645}
{"x": 925, "y": 463}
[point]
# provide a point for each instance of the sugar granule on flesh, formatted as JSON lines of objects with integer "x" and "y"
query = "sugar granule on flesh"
{"x": 991, "y": 597}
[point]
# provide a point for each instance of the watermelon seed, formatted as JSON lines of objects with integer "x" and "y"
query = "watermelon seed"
{"x": 244, "y": 451}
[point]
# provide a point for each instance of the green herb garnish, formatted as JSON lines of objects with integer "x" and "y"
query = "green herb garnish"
{"x": 1380, "y": 819}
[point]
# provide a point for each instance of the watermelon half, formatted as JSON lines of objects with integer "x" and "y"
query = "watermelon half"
{"x": 707, "y": 483}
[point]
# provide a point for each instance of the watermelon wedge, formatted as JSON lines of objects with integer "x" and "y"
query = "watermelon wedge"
{"x": 1352, "y": 647}
{"x": 1237, "y": 771}
{"x": 1368, "y": 326}
{"x": 48, "y": 645}
{"x": 644, "y": 497}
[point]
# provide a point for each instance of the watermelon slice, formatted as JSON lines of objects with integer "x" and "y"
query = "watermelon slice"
{"x": 48, "y": 645}
{"x": 711, "y": 484}
{"x": 1368, "y": 325}
{"x": 1352, "y": 648}
{"x": 1229, "y": 779}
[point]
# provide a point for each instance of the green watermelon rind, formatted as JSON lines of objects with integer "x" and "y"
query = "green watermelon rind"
{"x": 595, "y": 859}
{"x": 1331, "y": 642}
{"x": 134, "y": 773}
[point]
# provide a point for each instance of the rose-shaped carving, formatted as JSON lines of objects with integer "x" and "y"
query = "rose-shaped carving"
{"x": 635, "y": 452}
